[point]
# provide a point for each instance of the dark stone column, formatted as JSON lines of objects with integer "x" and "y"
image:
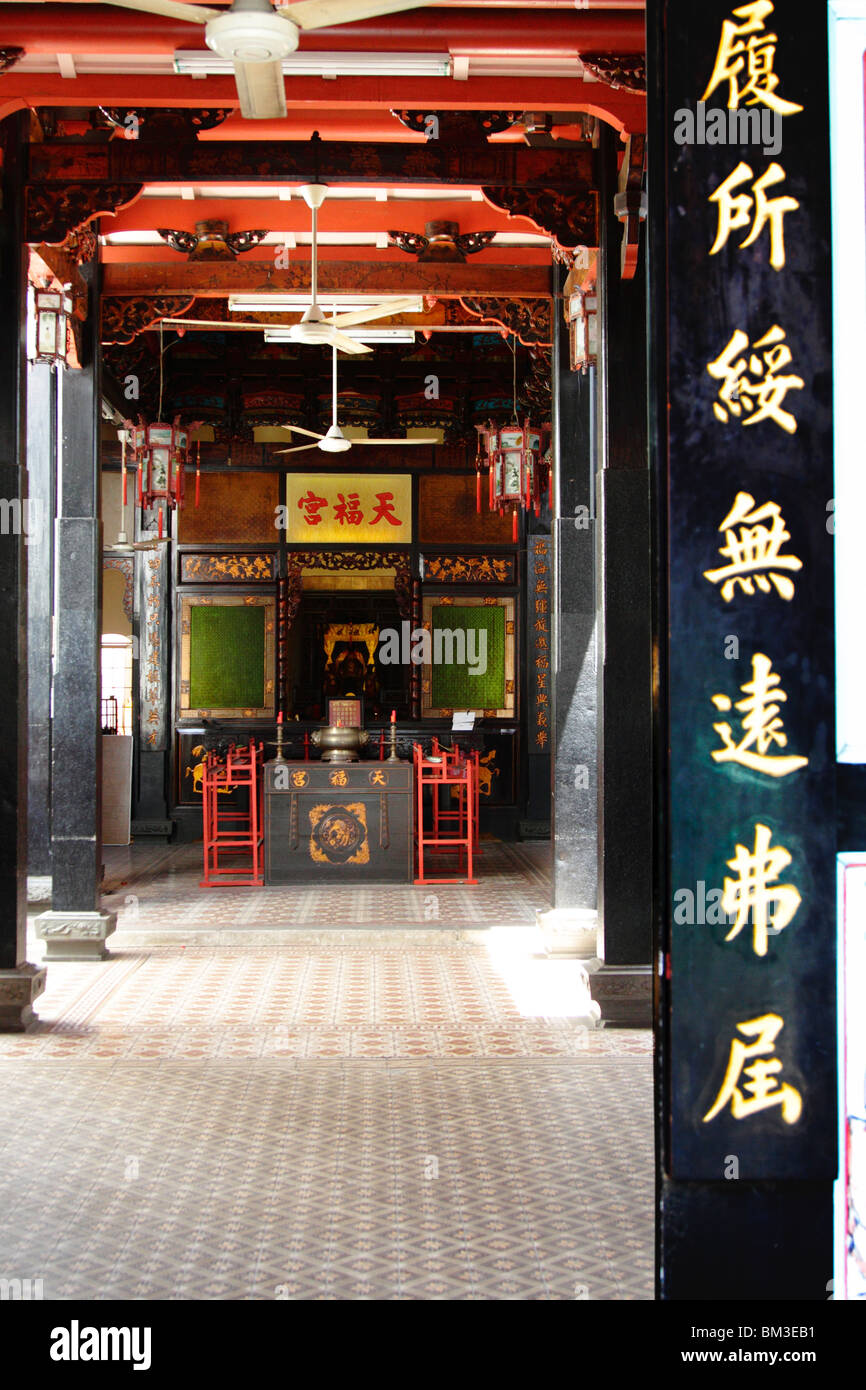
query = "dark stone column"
{"x": 621, "y": 981}
{"x": 41, "y": 451}
{"x": 20, "y": 983}
{"x": 571, "y": 925}
{"x": 75, "y": 928}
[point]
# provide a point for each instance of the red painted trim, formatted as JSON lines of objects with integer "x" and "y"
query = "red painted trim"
{"x": 85, "y": 28}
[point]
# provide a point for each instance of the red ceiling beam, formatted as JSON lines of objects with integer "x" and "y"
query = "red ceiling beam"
{"x": 625, "y": 110}
{"x": 504, "y": 256}
{"x": 337, "y": 215}
{"x": 86, "y": 28}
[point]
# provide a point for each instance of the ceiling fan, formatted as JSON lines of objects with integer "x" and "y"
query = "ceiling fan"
{"x": 335, "y": 442}
{"x": 255, "y": 37}
{"x": 314, "y": 330}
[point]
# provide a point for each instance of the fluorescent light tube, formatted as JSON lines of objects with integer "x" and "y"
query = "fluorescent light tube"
{"x": 312, "y": 64}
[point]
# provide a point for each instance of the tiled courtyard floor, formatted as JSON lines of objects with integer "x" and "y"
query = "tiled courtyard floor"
{"x": 318, "y": 1114}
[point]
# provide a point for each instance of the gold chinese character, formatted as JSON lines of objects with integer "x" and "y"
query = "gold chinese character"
{"x": 754, "y": 549}
{"x": 735, "y": 210}
{"x": 378, "y": 779}
{"x": 339, "y": 778}
{"x": 756, "y": 55}
{"x": 740, "y": 394}
{"x": 299, "y": 779}
{"x": 761, "y": 722}
{"x": 755, "y": 894}
{"x": 762, "y": 1085}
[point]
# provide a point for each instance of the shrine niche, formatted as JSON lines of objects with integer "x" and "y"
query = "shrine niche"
{"x": 350, "y": 666}
{"x": 227, "y": 654}
{"x": 337, "y": 604}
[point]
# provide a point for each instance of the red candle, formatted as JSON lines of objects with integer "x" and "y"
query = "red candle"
{"x": 514, "y": 525}
{"x": 393, "y": 716}
{"x": 139, "y": 480}
{"x": 477, "y": 490}
{"x": 280, "y": 717}
{"x": 159, "y": 514}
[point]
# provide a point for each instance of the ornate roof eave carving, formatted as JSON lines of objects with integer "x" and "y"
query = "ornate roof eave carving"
{"x": 530, "y": 320}
{"x": 571, "y": 219}
{"x": 53, "y": 211}
{"x": 124, "y": 318}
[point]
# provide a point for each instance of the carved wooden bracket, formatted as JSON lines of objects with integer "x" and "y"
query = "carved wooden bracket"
{"x": 9, "y": 57}
{"x": 211, "y": 241}
{"x": 530, "y": 320}
{"x": 53, "y": 211}
{"x": 570, "y": 218}
{"x": 152, "y": 124}
{"x": 536, "y": 389}
{"x": 124, "y": 318}
{"x": 625, "y": 70}
{"x": 443, "y": 242}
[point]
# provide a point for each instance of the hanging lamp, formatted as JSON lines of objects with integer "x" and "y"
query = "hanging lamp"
{"x": 513, "y": 456}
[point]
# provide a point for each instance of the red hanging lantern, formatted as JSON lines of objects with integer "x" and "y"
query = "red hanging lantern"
{"x": 161, "y": 453}
{"x": 514, "y": 458}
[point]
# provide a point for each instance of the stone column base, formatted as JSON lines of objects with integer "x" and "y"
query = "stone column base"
{"x": 39, "y": 888}
{"x": 18, "y": 989}
{"x": 569, "y": 931}
{"x": 624, "y": 992}
{"x": 75, "y": 935}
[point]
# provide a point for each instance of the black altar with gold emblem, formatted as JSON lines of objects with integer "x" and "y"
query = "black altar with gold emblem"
{"x": 338, "y": 823}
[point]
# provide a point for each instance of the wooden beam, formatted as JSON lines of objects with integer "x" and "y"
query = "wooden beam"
{"x": 218, "y": 279}
{"x": 624, "y": 110}
{"x": 568, "y": 168}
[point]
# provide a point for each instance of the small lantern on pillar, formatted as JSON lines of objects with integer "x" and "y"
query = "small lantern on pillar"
{"x": 52, "y": 316}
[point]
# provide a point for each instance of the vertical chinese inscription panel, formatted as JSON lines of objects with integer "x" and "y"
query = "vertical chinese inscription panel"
{"x": 749, "y": 1018}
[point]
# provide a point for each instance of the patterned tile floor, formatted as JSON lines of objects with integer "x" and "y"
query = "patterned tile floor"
{"x": 390, "y": 1115}
{"x": 156, "y": 890}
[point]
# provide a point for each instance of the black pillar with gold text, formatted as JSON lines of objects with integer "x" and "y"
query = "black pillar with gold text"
{"x": 741, "y": 435}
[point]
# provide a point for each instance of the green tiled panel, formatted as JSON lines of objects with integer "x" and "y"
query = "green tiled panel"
{"x": 227, "y": 657}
